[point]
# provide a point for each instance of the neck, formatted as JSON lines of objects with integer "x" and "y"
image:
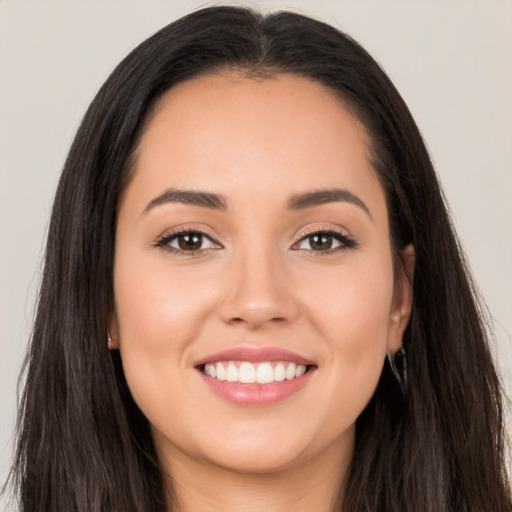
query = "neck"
{"x": 311, "y": 485}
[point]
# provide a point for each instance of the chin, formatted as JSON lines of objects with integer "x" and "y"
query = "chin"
{"x": 257, "y": 460}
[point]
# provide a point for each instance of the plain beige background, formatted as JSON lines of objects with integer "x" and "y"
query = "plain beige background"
{"x": 451, "y": 60}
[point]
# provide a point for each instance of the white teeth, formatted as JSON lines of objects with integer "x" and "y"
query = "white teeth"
{"x": 279, "y": 372}
{"x": 264, "y": 373}
{"x": 247, "y": 373}
{"x": 260, "y": 373}
{"x": 232, "y": 373}
{"x": 301, "y": 370}
{"x": 210, "y": 370}
{"x": 221, "y": 371}
{"x": 290, "y": 372}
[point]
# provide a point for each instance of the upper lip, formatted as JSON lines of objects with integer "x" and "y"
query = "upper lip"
{"x": 255, "y": 355}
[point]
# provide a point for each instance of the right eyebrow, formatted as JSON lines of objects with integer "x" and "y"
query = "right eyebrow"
{"x": 190, "y": 197}
{"x": 324, "y": 196}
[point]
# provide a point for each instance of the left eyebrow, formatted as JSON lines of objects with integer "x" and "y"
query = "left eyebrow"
{"x": 190, "y": 197}
{"x": 319, "y": 197}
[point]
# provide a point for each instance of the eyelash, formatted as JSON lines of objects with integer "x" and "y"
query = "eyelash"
{"x": 345, "y": 240}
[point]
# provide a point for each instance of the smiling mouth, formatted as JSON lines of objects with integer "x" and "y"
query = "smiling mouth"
{"x": 245, "y": 372}
{"x": 255, "y": 377}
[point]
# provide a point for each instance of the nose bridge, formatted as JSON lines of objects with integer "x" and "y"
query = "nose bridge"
{"x": 258, "y": 292}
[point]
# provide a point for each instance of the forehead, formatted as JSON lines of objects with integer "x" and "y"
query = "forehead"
{"x": 283, "y": 105}
{"x": 236, "y": 135}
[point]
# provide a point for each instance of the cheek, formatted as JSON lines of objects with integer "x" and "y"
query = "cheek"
{"x": 353, "y": 302}
{"x": 158, "y": 317}
{"x": 352, "y": 312}
{"x": 157, "y": 309}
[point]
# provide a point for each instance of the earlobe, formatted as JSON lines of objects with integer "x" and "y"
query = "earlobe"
{"x": 402, "y": 300}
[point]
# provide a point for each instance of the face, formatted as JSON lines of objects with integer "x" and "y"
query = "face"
{"x": 255, "y": 297}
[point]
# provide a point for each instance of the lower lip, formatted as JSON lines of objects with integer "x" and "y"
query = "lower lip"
{"x": 256, "y": 394}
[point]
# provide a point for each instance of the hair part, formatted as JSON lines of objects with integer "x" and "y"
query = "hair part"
{"x": 90, "y": 447}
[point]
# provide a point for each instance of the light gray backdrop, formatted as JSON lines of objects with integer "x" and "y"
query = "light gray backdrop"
{"x": 452, "y": 62}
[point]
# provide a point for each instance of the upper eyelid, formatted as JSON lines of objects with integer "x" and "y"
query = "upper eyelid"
{"x": 173, "y": 232}
{"x": 322, "y": 229}
{"x": 306, "y": 232}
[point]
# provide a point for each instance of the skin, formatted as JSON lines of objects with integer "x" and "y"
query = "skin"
{"x": 258, "y": 284}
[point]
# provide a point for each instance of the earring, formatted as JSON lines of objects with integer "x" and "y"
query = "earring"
{"x": 109, "y": 342}
{"x": 398, "y": 365}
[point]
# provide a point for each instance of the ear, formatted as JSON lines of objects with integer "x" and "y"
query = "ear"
{"x": 113, "y": 332}
{"x": 402, "y": 300}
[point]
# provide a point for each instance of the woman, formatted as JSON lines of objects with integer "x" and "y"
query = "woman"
{"x": 253, "y": 298}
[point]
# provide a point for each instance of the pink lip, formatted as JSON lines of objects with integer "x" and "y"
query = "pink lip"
{"x": 255, "y": 394}
{"x": 255, "y": 355}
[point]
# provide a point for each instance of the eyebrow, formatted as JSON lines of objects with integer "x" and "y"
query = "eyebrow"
{"x": 190, "y": 197}
{"x": 319, "y": 197}
{"x": 219, "y": 202}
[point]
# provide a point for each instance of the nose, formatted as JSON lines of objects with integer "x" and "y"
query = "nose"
{"x": 258, "y": 293}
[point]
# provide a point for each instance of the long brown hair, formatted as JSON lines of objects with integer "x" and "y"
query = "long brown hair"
{"x": 84, "y": 446}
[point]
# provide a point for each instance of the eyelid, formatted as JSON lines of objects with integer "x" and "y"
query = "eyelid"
{"x": 187, "y": 229}
{"x": 321, "y": 229}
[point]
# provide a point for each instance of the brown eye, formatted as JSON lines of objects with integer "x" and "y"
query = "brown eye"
{"x": 320, "y": 242}
{"x": 187, "y": 242}
{"x": 325, "y": 242}
{"x": 190, "y": 242}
